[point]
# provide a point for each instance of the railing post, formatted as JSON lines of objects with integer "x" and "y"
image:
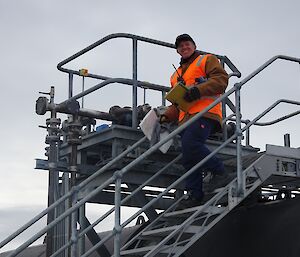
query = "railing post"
{"x": 224, "y": 109}
{"x": 247, "y": 134}
{"x": 163, "y": 99}
{"x": 81, "y": 221}
{"x": 66, "y": 189}
{"x": 224, "y": 129}
{"x": 134, "y": 88}
{"x": 74, "y": 218}
{"x": 70, "y": 85}
{"x": 52, "y": 139}
{"x": 82, "y": 99}
{"x": 117, "y": 228}
{"x": 287, "y": 140}
{"x": 144, "y": 96}
{"x": 240, "y": 176}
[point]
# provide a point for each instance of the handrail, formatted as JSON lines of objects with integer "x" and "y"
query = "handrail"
{"x": 119, "y": 174}
{"x": 236, "y": 72}
{"x": 100, "y": 85}
{"x": 150, "y": 203}
{"x": 136, "y": 83}
{"x": 105, "y": 215}
{"x": 124, "y": 170}
{"x": 253, "y": 122}
{"x": 70, "y": 193}
{"x": 267, "y": 123}
{"x": 174, "y": 184}
{"x": 265, "y": 65}
{"x": 237, "y": 87}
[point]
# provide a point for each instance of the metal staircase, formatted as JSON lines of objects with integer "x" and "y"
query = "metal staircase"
{"x": 175, "y": 231}
{"x": 124, "y": 178}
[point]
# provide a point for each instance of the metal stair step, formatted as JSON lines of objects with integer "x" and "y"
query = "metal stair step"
{"x": 163, "y": 238}
{"x": 212, "y": 209}
{"x": 137, "y": 251}
{"x": 167, "y": 230}
{"x": 144, "y": 250}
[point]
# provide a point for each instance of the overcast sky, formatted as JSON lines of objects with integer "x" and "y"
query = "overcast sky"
{"x": 36, "y": 35}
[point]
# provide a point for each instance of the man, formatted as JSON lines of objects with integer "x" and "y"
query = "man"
{"x": 206, "y": 80}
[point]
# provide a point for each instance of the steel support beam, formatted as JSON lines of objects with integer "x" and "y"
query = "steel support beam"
{"x": 94, "y": 238}
{"x": 142, "y": 200}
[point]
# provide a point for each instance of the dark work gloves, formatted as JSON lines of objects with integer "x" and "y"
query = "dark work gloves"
{"x": 192, "y": 94}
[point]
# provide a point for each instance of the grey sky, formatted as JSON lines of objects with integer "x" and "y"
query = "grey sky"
{"x": 36, "y": 35}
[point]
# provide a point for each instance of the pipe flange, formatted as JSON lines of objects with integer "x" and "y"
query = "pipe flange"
{"x": 52, "y": 138}
{"x": 74, "y": 141}
{"x": 54, "y": 130}
{"x": 74, "y": 127}
{"x": 53, "y": 121}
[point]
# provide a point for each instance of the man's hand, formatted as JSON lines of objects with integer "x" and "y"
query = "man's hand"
{"x": 192, "y": 94}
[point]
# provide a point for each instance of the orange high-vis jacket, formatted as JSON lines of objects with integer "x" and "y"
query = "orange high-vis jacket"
{"x": 196, "y": 70}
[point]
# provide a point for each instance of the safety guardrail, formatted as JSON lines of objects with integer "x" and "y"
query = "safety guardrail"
{"x": 134, "y": 82}
{"x": 117, "y": 177}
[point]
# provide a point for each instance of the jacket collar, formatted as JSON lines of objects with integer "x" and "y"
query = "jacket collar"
{"x": 189, "y": 60}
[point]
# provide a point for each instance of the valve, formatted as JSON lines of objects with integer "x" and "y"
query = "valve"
{"x": 72, "y": 107}
{"x": 41, "y": 105}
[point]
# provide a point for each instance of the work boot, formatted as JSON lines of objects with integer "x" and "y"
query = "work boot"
{"x": 214, "y": 181}
{"x": 189, "y": 202}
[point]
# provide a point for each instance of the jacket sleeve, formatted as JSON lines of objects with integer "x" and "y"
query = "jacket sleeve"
{"x": 171, "y": 113}
{"x": 217, "y": 78}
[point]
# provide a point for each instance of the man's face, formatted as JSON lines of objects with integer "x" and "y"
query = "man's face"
{"x": 186, "y": 49}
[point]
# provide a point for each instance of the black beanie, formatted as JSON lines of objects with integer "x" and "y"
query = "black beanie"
{"x": 183, "y": 37}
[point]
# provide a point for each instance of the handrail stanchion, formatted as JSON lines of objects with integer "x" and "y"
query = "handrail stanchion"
{"x": 163, "y": 98}
{"x": 134, "y": 88}
{"x": 117, "y": 228}
{"x": 70, "y": 85}
{"x": 144, "y": 96}
{"x": 82, "y": 99}
{"x": 81, "y": 240}
{"x": 247, "y": 134}
{"x": 66, "y": 187}
{"x": 74, "y": 236}
{"x": 240, "y": 175}
{"x": 224, "y": 129}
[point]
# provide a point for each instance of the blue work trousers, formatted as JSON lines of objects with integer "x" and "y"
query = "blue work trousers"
{"x": 194, "y": 150}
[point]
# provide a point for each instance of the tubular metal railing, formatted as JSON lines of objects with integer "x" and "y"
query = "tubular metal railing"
{"x": 119, "y": 226}
{"x": 117, "y": 177}
{"x": 134, "y": 82}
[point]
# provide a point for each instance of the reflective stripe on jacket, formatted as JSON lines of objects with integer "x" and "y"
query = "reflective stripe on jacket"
{"x": 196, "y": 70}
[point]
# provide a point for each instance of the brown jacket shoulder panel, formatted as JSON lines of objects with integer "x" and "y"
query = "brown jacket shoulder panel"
{"x": 217, "y": 78}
